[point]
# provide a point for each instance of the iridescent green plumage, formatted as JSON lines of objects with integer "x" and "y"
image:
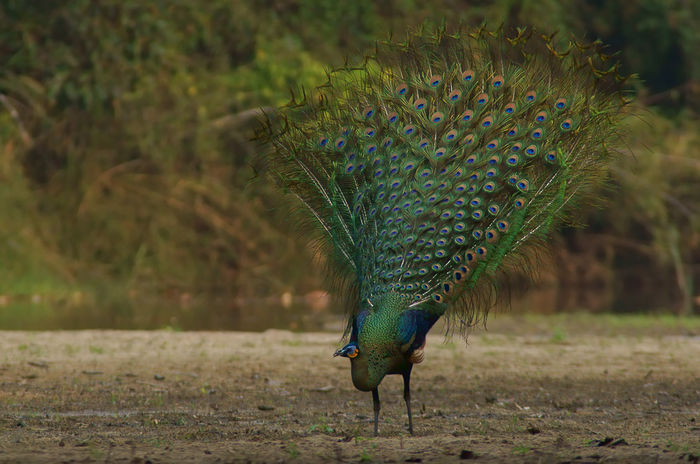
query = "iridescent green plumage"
{"x": 438, "y": 164}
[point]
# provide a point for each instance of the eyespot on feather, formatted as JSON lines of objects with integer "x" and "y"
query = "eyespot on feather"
{"x": 339, "y": 143}
{"x": 435, "y": 80}
{"x": 420, "y": 103}
{"x": 491, "y": 236}
{"x": 468, "y": 139}
{"x": 487, "y": 121}
{"x": 497, "y": 81}
{"x": 409, "y": 129}
{"x": 468, "y": 75}
{"x": 437, "y": 117}
{"x": 322, "y": 141}
{"x": 537, "y": 133}
{"x": 455, "y": 95}
{"x": 470, "y": 256}
{"x": 561, "y": 103}
{"x": 509, "y": 108}
{"x": 451, "y": 135}
{"x": 567, "y": 124}
{"x": 368, "y": 112}
{"x": 523, "y": 185}
{"x": 402, "y": 89}
{"x": 482, "y": 99}
{"x": 467, "y": 115}
{"x": 369, "y": 132}
{"x": 392, "y": 117}
{"x": 530, "y": 96}
{"x": 492, "y": 145}
{"x": 531, "y": 150}
{"x": 541, "y": 116}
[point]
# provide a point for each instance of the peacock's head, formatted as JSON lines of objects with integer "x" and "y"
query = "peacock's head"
{"x": 348, "y": 351}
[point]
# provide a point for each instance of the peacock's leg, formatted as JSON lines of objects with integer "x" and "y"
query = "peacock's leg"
{"x": 375, "y": 400}
{"x": 407, "y": 398}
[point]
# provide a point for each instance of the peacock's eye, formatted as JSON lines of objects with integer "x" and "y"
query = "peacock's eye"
{"x": 353, "y": 353}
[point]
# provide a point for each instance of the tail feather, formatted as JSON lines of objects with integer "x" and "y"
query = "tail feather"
{"x": 445, "y": 158}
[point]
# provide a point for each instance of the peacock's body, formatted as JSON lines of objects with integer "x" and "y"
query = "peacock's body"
{"x": 436, "y": 165}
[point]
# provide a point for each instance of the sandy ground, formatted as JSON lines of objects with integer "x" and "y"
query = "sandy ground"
{"x": 535, "y": 395}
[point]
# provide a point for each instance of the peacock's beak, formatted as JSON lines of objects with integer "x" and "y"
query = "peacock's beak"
{"x": 338, "y": 352}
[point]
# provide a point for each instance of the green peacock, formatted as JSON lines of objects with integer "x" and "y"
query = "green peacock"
{"x": 440, "y": 163}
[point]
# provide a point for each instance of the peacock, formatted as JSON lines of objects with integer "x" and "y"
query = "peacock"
{"x": 436, "y": 167}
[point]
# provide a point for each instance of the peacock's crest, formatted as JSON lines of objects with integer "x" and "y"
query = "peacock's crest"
{"x": 442, "y": 159}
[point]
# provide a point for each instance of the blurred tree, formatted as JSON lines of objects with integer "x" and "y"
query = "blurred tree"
{"x": 125, "y": 127}
{"x": 127, "y": 175}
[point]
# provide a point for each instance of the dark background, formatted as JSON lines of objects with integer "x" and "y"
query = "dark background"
{"x": 128, "y": 190}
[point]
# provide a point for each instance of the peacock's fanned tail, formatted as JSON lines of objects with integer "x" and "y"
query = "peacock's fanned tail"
{"x": 443, "y": 159}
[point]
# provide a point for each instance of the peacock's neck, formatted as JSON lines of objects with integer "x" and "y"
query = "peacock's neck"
{"x": 382, "y": 323}
{"x": 379, "y": 352}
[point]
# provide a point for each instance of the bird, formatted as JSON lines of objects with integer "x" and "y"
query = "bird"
{"x": 435, "y": 168}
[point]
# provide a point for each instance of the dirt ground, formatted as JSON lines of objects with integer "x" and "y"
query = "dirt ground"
{"x": 523, "y": 391}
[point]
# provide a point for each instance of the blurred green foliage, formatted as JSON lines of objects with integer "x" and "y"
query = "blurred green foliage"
{"x": 126, "y": 158}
